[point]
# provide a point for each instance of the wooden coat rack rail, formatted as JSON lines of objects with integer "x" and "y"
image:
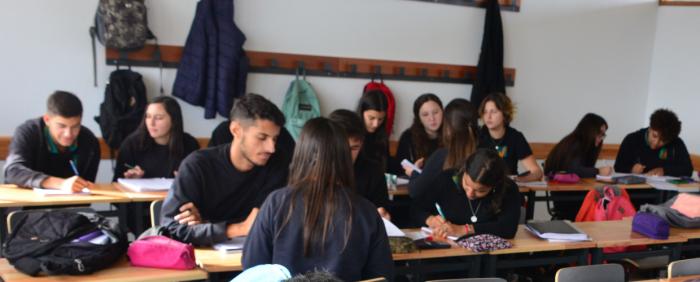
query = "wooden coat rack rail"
{"x": 282, "y": 63}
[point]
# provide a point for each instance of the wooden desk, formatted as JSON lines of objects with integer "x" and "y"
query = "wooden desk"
{"x": 584, "y": 185}
{"x": 682, "y": 278}
{"x": 525, "y": 242}
{"x": 121, "y": 272}
{"x": 212, "y": 260}
{"x": 618, "y": 233}
{"x": 13, "y": 196}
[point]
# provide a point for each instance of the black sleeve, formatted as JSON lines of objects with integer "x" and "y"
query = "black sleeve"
{"x": 92, "y": 159}
{"x": 680, "y": 164}
{"x": 506, "y": 223}
{"x": 582, "y": 170}
{"x": 125, "y": 156}
{"x": 626, "y": 155}
{"x": 378, "y": 192}
{"x": 20, "y": 158}
{"x": 420, "y": 183}
{"x": 258, "y": 245}
{"x": 522, "y": 148}
{"x": 379, "y": 262}
{"x": 187, "y": 187}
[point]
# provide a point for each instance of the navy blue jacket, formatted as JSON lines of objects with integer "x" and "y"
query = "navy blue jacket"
{"x": 214, "y": 68}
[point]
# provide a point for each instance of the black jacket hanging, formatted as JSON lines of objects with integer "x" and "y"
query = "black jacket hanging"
{"x": 489, "y": 74}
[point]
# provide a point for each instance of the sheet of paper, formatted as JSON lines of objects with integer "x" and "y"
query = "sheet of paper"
{"x": 146, "y": 184}
{"x": 392, "y": 230}
{"x": 58, "y": 192}
{"x": 233, "y": 244}
{"x": 429, "y": 231}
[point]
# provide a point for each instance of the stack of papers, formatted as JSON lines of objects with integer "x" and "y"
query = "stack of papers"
{"x": 556, "y": 231}
{"x": 542, "y": 184}
{"x": 58, "y": 192}
{"x": 146, "y": 184}
{"x": 233, "y": 244}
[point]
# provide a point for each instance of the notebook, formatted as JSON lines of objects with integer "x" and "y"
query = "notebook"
{"x": 146, "y": 184}
{"x": 556, "y": 230}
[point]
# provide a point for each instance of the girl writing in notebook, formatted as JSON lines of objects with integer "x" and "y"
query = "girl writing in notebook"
{"x": 158, "y": 145}
{"x": 478, "y": 199}
{"x": 497, "y": 113}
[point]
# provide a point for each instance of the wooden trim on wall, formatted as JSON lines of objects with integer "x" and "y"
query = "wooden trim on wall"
{"x": 340, "y": 67}
{"x": 679, "y": 3}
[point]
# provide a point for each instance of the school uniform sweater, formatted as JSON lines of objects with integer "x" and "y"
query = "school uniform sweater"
{"x": 30, "y": 159}
{"x": 223, "y": 194}
{"x": 365, "y": 255}
{"x": 672, "y": 157}
{"x": 154, "y": 159}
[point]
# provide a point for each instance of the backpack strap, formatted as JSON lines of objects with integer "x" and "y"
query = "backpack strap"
{"x": 157, "y": 56}
{"x": 94, "y": 55}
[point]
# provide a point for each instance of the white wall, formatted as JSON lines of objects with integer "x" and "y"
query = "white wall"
{"x": 571, "y": 57}
{"x": 676, "y": 65}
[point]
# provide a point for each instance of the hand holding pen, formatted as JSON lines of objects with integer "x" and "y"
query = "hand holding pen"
{"x": 76, "y": 183}
{"x": 133, "y": 172}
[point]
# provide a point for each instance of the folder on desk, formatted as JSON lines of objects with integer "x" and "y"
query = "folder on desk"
{"x": 556, "y": 230}
{"x": 146, "y": 184}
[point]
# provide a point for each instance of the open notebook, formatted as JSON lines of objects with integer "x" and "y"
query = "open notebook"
{"x": 58, "y": 192}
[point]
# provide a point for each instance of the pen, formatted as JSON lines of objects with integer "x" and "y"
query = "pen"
{"x": 74, "y": 167}
{"x": 129, "y": 166}
{"x": 437, "y": 206}
{"x": 525, "y": 173}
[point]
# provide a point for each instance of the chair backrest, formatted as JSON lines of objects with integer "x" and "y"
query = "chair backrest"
{"x": 593, "y": 273}
{"x": 155, "y": 212}
{"x": 12, "y": 215}
{"x": 471, "y": 280}
{"x": 684, "y": 267}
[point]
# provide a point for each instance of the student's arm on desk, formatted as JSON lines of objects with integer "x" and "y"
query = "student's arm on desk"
{"x": 18, "y": 163}
{"x": 535, "y": 171}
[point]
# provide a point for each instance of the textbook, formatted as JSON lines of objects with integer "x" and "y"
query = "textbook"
{"x": 146, "y": 184}
{"x": 556, "y": 230}
{"x": 234, "y": 244}
{"x": 57, "y": 192}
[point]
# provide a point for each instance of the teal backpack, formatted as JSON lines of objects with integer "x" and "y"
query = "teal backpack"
{"x": 300, "y": 105}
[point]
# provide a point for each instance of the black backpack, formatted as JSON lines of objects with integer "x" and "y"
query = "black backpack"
{"x": 43, "y": 241}
{"x": 123, "y": 107}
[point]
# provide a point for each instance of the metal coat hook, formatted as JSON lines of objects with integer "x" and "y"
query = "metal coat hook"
{"x": 423, "y": 72}
{"x": 273, "y": 63}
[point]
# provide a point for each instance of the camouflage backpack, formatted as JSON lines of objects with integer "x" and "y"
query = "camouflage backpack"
{"x": 402, "y": 245}
{"x": 121, "y": 25}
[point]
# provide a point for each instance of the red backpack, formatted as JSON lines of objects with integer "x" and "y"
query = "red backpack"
{"x": 391, "y": 104}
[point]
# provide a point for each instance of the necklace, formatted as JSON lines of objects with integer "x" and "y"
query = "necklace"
{"x": 473, "y": 218}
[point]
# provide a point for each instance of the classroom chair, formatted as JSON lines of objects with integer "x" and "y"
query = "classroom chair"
{"x": 684, "y": 267}
{"x": 155, "y": 212}
{"x": 14, "y": 214}
{"x": 471, "y": 280}
{"x": 378, "y": 279}
{"x": 591, "y": 273}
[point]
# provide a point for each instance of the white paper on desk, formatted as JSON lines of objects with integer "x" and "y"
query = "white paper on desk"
{"x": 427, "y": 230}
{"x": 532, "y": 184}
{"x": 416, "y": 235}
{"x": 662, "y": 185}
{"x": 392, "y": 230}
{"x": 234, "y": 244}
{"x": 59, "y": 192}
{"x": 146, "y": 184}
{"x": 401, "y": 181}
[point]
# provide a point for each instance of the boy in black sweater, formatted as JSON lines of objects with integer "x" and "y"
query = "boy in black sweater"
{"x": 217, "y": 192}
{"x": 54, "y": 151}
{"x": 655, "y": 150}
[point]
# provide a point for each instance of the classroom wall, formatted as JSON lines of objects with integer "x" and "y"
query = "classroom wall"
{"x": 676, "y": 65}
{"x": 571, "y": 57}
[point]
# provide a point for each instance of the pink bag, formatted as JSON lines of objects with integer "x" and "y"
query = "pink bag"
{"x": 566, "y": 178}
{"x": 687, "y": 204}
{"x": 161, "y": 252}
{"x": 617, "y": 207}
